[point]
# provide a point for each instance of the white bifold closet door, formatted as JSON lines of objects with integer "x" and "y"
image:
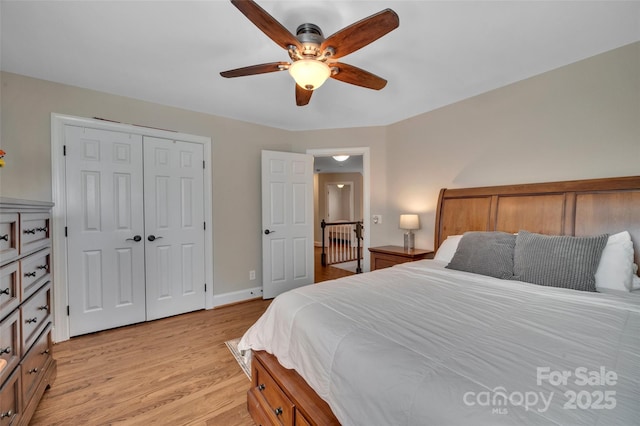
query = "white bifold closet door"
{"x": 135, "y": 228}
{"x": 174, "y": 226}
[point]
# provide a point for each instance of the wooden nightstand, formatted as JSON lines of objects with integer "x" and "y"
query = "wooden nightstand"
{"x": 386, "y": 256}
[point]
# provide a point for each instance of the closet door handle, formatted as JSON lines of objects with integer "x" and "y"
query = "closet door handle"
{"x": 153, "y": 238}
{"x": 268, "y": 231}
{"x": 136, "y": 238}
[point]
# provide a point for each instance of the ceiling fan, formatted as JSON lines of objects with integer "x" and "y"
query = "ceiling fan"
{"x": 312, "y": 55}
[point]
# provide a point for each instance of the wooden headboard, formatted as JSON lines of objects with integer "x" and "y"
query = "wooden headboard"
{"x": 579, "y": 207}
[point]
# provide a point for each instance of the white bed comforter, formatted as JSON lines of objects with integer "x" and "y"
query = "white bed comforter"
{"x": 418, "y": 344}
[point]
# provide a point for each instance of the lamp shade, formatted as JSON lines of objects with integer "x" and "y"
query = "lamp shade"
{"x": 309, "y": 73}
{"x": 409, "y": 221}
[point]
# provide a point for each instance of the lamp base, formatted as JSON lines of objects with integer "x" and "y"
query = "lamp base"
{"x": 409, "y": 241}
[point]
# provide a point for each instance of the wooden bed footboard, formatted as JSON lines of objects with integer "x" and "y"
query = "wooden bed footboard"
{"x": 279, "y": 396}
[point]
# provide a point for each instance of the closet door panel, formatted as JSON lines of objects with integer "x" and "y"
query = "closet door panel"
{"x": 174, "y": 228}
{"x": 104, "y": 214}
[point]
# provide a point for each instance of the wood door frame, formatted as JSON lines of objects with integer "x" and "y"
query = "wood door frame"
{"x": 59, "y": 211}
{"x": 366, "y": 190}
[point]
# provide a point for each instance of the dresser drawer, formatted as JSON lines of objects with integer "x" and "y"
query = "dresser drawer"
{"x": 34, "y": 271}
{"x": 34, "y": 363}
{"x": 35, "y": 232}
{"x": 301, "y": 420}
{"x": 10, "y": 408}
{"x": 35, "y": 313}
{"x": 9, "y": 289}
{"x": 8, "y": 237}
{"x": 9, "y": 343}
{"x": 277, "y": 401}
{"x": 258, "y": 407}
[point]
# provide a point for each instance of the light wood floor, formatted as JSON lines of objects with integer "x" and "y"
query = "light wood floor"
{"x": 327, "y": 272}
{"x": 175, "y": 371}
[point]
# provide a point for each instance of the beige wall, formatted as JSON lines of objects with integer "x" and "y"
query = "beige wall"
{"x": 579, "y": 121}
{"x": 27, "y": 105}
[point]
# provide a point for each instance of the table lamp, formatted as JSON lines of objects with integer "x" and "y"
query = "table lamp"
{"x": 409, "y": 222}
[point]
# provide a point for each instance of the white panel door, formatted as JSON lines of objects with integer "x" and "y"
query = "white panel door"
{"x": 105, "y": 250}
{"x": 174, "y": 226}
{"x": 287, "y": 222}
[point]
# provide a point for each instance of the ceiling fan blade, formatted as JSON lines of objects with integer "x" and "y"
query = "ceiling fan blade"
{"x": 354, "y": 75}
{"x": 303, "y": 96}
{"x": 267, "y": 23}
{"x": 361, "y": 33}
{"x": 256, "y": 69}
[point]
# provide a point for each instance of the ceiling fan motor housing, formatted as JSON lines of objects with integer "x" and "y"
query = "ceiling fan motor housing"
{"x": 310, "y": 37}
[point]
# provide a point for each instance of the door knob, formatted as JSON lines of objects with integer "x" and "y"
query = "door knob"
{"x": 136, "y": 238}
{"x": 153, "y": 238}
{"x": 267, "y": 232}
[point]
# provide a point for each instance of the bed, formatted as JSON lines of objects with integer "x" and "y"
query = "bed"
{"x": 421, "y": 343}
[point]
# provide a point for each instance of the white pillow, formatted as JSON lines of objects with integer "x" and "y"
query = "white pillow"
{"x": 615, "y": 270}
{"x": 635, "y": 282}
{"x": 448, "y": 248}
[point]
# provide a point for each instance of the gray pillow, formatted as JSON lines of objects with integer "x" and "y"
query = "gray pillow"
{"x": 485, "y": 253}
{"x": 557, "y": 260}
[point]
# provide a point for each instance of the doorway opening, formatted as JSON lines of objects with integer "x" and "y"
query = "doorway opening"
{"x": 341, "y": 194}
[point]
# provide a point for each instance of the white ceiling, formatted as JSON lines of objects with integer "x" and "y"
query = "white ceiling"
{"x": 327, "y": 164}
{"x": 171, "y": 52}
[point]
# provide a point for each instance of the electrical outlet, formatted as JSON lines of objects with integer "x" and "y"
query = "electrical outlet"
{"x": 252, "y": 275}
{"x": 377, "y": 219}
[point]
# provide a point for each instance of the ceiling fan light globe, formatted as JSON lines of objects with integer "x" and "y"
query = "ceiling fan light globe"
{"x": 309, "y": 73}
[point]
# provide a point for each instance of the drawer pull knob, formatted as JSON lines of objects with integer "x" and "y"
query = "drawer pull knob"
{"x": 6, "y": 350}
{"x": 278, "y": 411}
{"x": 4, "y": 237}
{"x": 33, "y": 371}
{"x": 7, "y": 414}
{"x": 44, "y": 229}
{"x": 30, "y": 274}
{"x": 5, "y": 291}
{"x": 261, "y": 387}
{"x": 29, "y": 231}
{"x": 42, "y": 267}
{"x": 43, "y": 308}
{"x": 30, "y": 320}
{"x": 45, "y": 352}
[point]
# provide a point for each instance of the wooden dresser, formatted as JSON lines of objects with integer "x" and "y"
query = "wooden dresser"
{"x": 386, "y": 256}
{"x": 27, "y": 367}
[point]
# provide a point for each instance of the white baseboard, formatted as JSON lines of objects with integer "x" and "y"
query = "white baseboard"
{"x": 236, "y": 296}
